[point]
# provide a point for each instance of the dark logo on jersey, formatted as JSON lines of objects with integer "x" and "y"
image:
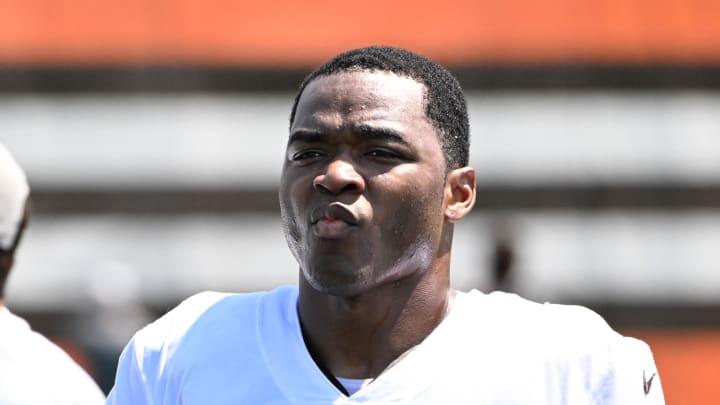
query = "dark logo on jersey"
{"x": 647, "y": 383}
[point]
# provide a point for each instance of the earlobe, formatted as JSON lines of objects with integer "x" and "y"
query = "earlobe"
{"x": 459, "y": 193}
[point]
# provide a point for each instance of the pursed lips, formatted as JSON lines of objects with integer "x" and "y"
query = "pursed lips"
{"x": 334, "y": 220}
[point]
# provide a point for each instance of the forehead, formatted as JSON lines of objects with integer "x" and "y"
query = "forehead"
{"x": 366, "y": 95}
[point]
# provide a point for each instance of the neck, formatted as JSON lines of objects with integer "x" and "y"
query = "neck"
{"x": 358, "y": 337}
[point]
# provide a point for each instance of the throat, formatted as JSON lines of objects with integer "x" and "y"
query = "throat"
{"x": 361, "y": 343}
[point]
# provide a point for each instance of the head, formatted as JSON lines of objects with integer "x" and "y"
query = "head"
{"x": 375, "y": 170}
{"x": 14, "y": 191}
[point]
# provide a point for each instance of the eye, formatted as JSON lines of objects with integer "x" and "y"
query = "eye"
{"x": 383, "y": 154}
{"x": 306, "y": 154}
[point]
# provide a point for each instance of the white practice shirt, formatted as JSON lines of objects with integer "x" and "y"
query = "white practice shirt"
{"x": 490, "y": 349}
{"x": 34, "y": 371}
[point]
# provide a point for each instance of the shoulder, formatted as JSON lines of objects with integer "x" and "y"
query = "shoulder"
{"x": 179, "y": 320}
{"x": 206, "y": 326}
{"x": 514, "y": 313}
{"x": 200, "y": 331}
{"x": 572, "y": 343}
{"x": 554, "y": 329}
{"x": 201, "y": 311}
{"x": 29, "y": 360}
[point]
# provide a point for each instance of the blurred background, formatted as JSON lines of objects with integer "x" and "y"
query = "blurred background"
{"x": 153, "y": 131}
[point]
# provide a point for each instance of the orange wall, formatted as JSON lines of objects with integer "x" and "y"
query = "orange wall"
{"x": 288, "y": 32}
{"x": 688, "y": 363}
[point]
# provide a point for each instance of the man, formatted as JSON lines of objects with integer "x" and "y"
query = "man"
{"x": 375, "y": 176}
{"x": 32, "y": 369}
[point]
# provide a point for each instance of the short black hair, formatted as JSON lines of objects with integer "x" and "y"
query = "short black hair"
{"x": 445, "y": 104}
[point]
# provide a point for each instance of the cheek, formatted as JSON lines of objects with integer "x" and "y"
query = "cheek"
{"x": 292, "y": 224}
{"x": 289, "y": 224}
{"x": 409, "y": 234}
{"x": 416, "y": 213}
{"x": 293, "y": 194}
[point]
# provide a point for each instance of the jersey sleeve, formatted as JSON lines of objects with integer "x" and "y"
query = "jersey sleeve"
{"x": 633, "y": 377}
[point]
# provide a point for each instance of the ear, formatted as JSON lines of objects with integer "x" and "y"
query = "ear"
{"x": 459, "y": 193}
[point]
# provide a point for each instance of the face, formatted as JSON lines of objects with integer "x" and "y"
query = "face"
{"x": 361, "y": 192}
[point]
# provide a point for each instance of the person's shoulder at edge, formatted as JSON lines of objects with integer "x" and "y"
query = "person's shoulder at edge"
{"x": 576, "y": 334}
{"x": 28, "y": 359}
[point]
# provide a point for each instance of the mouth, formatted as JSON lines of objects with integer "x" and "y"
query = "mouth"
{"x": 333, "y": 221}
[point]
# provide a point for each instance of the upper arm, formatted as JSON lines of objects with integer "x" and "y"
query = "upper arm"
{"x": 632, "y": 376}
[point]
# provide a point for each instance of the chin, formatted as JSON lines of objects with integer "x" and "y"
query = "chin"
{"x": 336, "y": 283}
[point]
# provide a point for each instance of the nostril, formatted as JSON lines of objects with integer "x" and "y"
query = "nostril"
{"x": 318, "y": 185}
{"x": 335, "y": 188}
{"x": 349, "y": 187}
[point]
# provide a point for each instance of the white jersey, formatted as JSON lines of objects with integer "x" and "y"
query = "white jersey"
{"x": 34, "y": 371}
{"x": 490, "y": 349}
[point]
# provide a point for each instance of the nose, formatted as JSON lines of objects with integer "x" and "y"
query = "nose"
{"x": 340, "y": 176}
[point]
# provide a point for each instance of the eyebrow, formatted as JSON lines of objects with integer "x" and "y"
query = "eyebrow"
{"x": 303, "y": 135}
{"x": 365, "y": 131}
{"x": 381, "y": 133}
